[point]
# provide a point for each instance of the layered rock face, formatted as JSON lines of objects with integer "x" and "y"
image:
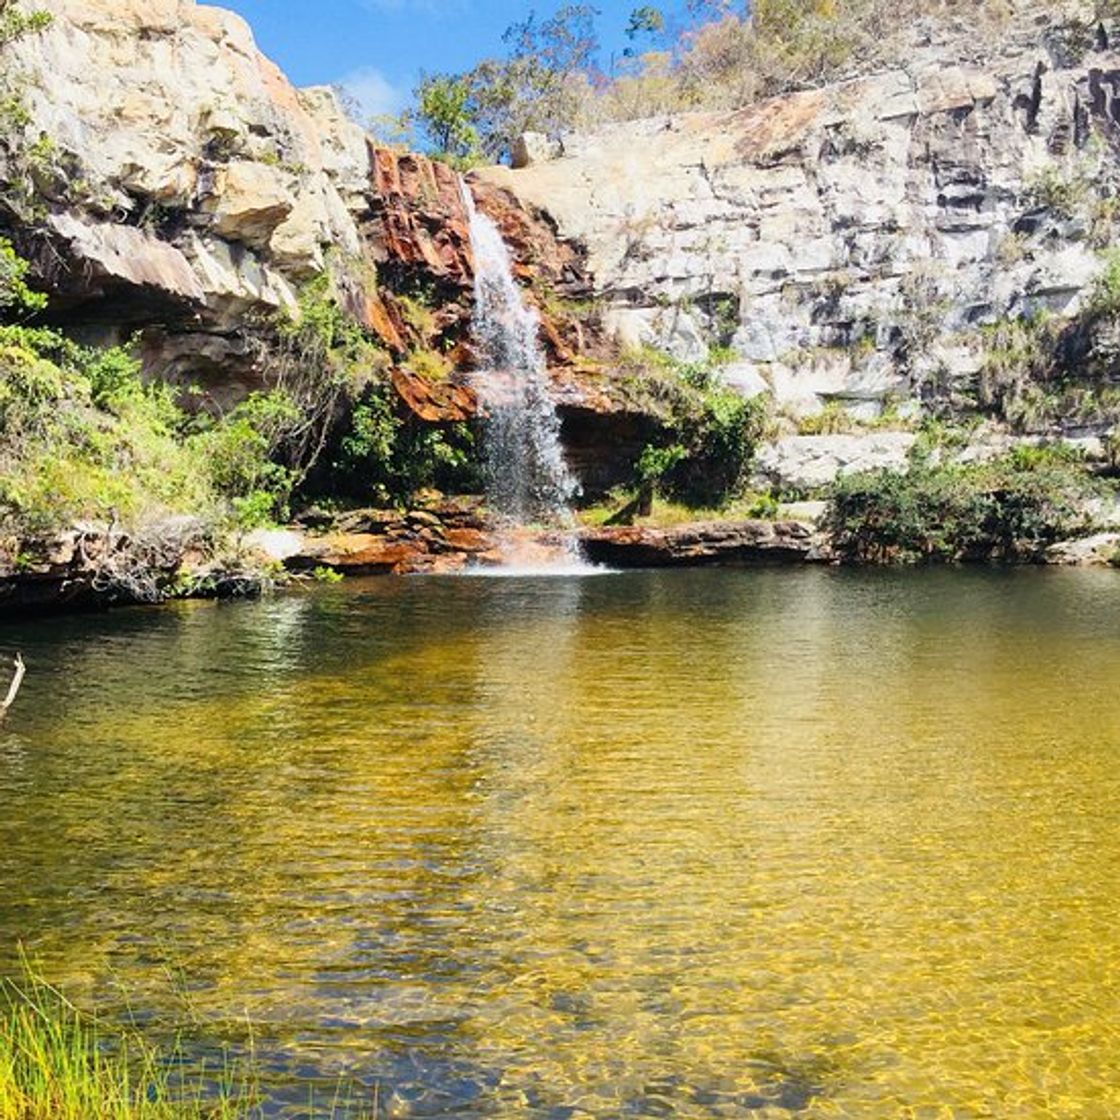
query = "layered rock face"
{"x": 188, "y": 190}
{"x": 846, "y": 242}
{"x": 197, "y": 185}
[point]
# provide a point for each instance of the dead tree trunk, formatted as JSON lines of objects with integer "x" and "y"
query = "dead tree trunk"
{"x": 13, "y": 688}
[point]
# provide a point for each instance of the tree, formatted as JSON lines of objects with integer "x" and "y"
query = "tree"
{"x": 536, "y": 87}
{"x": 563, "y": 45}
{"x": 646, "y": 20}
{"x": 443, "y": 109}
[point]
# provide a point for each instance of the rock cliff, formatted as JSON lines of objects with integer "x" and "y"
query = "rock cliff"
{"x": 170, "y": 181}
{"x": 847, "y": 242}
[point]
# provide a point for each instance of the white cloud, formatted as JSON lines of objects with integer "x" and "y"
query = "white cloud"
{"x": 373, "y": 91}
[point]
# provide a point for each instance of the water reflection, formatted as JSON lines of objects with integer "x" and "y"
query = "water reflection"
{"x": 703, "y": 844}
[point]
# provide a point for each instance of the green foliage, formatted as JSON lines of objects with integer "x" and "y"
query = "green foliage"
{"x": 1043, "y": 374}
{"x": 384, "y": 456}
{"x": 443, "y": 108}
{"x": 764, "y": 507}
{"x": 834, "y": 419}
{"x": 81, "y": 435}
{"x": 1063, "y": 192}
{"x": 239, "y": 457}
{"x": 655, "y": 463}
{"x": 58, "y": 1064}
{"x": 322, "y": 360}
{"x": 1105, "y": 296}
{"x": 722, "y": 54}
{"x": 431, "y": 365}
{"x": 709, "y": 431}
{"x": 15, "y": 296}
{"x": 1018, "y": 360}
{"x": 15, "y": 24}
{"x": 1011, "y": 508}
{"x": 646, "y": 20}
{"x": 536, "y": 87}
{"x": 24, "y": 166}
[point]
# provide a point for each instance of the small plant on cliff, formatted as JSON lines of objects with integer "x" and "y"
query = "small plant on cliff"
{"x": 15, "y": 23}
{"x": 22, "y": 163}
{"x": 16, "y": 298}
{"x": 1062, "y": 191}
{"x": 832, "y": 420}
{"x": 1018, "y": 359}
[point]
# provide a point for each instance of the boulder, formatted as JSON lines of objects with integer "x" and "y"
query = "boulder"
{"x": 807, "y": 463}
{"x": 534, "y": 147}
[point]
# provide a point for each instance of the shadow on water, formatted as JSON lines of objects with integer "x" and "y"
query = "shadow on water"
{"x": 677, "y": 843}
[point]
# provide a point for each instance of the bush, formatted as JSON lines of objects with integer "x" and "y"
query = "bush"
{"x": 1012, "y": 508}
{"x": 15, "y": 296}
{"x": 384, "y": 456}
{"x": 709, "y": 431}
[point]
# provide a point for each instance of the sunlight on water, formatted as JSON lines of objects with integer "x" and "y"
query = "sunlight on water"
{"x": 813, "y": 843}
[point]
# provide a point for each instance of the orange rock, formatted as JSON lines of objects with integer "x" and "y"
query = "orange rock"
{"x": 377, "y": 318}
{"x": 468, "y": 540}
{"x": 363, "y": 553}
{"x": 434, "y": 402}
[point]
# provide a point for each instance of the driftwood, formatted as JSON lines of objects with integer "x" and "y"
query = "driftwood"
{"x": 13, "y": 688}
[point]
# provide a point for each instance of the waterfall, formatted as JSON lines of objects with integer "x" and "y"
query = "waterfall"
{"x": 527, "y": 480}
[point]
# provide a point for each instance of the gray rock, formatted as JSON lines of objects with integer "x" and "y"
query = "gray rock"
{"x": 810, "y": 462}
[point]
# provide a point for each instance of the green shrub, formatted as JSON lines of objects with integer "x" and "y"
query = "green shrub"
{"x": 709, "y": 431}
{"x": 1105, "y": 296}
{"x": 238, "y": 455}
{"x": 382, "y": 455}
{"x": 15, "y": 24}
{"x": 834, "y": 419}
{"x": 15, "y": 296}
{"x": 1012, "y": 508}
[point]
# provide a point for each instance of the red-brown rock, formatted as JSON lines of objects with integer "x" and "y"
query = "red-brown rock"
{"x": 442, "y": 402}
{"x": 699, "y": 543}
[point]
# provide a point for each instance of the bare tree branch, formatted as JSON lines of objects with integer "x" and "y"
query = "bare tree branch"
{"x": 13, "y": 688}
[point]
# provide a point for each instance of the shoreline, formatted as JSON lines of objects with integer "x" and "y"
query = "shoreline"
{"x": 65, "y": 574}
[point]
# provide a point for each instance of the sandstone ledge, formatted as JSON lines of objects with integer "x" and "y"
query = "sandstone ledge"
{"x": 704, "y": 543}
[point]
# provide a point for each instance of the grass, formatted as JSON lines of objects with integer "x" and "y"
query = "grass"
{"x": 59, "y": 1063}
{"x": 666, "y": 514}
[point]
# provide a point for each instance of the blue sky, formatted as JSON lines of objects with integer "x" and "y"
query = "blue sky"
{"x": 379, "y": 47}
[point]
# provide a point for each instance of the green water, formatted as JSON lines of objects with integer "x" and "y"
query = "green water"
{"x": 773, "y": 844}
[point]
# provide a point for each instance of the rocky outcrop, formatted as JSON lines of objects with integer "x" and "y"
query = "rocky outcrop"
{"x": 100, "y": 565}
{"x": 1099, "y": 550}
{"x": 703, "y": 543}
{"x": 188, "y": 191}
{"x": 806, "y": 463}
{"x": 847, "y": 242}
{"x": 441, "y": 536}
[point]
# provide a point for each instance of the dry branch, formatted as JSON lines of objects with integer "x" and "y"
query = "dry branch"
{"x": 13, "y": 688}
